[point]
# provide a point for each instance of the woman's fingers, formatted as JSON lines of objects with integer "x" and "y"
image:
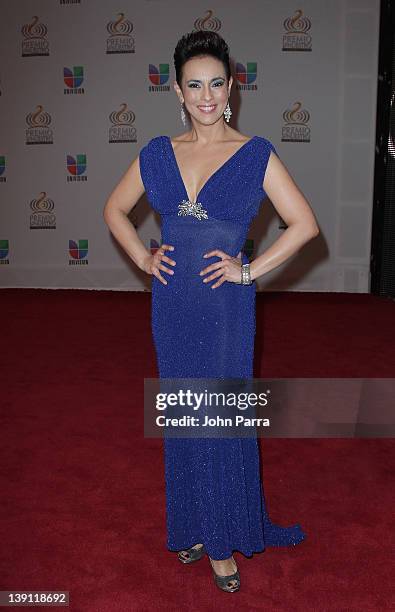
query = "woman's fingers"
{"x": 214, "y": 275}
{"x": 160, "y": 257}
{"x": 162, "y": 267}
{"x": 158, "y": 275}
{"x": 218, "y": 283}
{"x": 216, "y": 252}
{"x": 228, "y": 269}
{"x": 167, "y": 247}
{"x": 211, "y": 268}
{"x": 168, "y": 260}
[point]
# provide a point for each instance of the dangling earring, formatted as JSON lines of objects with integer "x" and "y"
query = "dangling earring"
{"x": 227, "y": 112}
{"x": 183, "y": 117}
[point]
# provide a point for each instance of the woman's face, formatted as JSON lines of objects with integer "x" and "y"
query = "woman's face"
{"x": 204, "y": 89}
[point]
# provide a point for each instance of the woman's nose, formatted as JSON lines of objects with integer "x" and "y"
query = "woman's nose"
{"x": 207, "y": 93}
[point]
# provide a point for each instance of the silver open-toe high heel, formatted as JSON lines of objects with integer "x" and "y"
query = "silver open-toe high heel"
{"x": 189, "y": 555}
{"x": 229, "y": 584}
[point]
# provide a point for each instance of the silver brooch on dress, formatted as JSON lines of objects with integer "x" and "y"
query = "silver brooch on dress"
{"x": 192, "y": 208}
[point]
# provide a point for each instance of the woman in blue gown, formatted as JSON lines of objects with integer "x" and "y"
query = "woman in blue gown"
{"x": 207, "y": 186}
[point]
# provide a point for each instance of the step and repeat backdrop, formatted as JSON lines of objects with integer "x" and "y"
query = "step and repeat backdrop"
{"x": 85, "y": 84}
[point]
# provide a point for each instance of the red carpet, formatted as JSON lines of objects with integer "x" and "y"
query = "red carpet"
{"x": 83, "y": 491}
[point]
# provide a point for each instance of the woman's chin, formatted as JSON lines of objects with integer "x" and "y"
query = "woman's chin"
{"x": 206, "y": 119}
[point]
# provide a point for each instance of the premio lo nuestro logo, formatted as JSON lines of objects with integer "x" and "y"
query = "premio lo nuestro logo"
{"x": 3, "y": 178}
{"x": 297, "y": 37}
{"x": 246, "y": 76}
{"x": 208, "y": 22}
{"x": 34, "y": 39}
{"x": 296, "y": 128}
{"x": 39, "y": 131}
{"x": 120, "y": 39}
{"x": 4, "y": 252}
{"x": 78, "y": 251}
{"x": 158, "y": 77}
{"x": 76, "y": 167}
{"x": 73, "y": 80}
{"x": 42, "y": 216}
{"x": 122, "y": 128}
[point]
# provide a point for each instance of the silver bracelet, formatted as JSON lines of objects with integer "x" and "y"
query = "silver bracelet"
{"x": 246, "y": 274}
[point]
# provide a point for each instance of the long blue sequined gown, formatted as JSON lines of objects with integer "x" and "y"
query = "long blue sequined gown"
{"x": 214, "y": 493}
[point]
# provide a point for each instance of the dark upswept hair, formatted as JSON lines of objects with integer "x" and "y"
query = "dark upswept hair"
{"x": 200, "y": 43}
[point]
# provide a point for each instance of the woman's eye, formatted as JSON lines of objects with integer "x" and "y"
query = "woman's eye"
{"x": 215, "y": 84}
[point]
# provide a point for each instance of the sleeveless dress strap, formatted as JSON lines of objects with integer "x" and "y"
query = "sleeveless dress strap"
{"x": 147, "y": 172}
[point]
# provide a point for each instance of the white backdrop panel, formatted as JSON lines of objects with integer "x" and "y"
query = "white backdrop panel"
{"x": 334, "y": 84}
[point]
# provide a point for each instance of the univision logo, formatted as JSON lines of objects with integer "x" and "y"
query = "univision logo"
{"x": 297, "y": 37}
{"x": 34, "y": 42}
{"x": 76, "y": 166}
{"x": 246, "y": 76}
{"x": 39, "y": 131}
{"x": 296, "y": 128}
{"x": 122, "y": 128}
{"x": 120, "y": 39}
{"x": 73, "y": 79}
{"x": 4, "y": 252}
{"x": 78, "y": 251}
{"x": 158, "y": 76}
{"x": 42, "y": 216}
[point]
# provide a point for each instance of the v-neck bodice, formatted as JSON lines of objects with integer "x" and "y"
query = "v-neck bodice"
{"x": 233, "y": 192}
{"x": 228, "y": 162}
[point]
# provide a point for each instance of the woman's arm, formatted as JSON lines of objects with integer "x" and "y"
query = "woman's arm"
{"x": 121, "y": 201}
{"x": 294, "y": 209}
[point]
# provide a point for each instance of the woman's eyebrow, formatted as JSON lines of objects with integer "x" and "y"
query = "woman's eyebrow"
{"x": 199, "y": 81}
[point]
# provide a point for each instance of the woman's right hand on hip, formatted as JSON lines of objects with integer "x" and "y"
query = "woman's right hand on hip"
{"x": 153, "y": 263}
